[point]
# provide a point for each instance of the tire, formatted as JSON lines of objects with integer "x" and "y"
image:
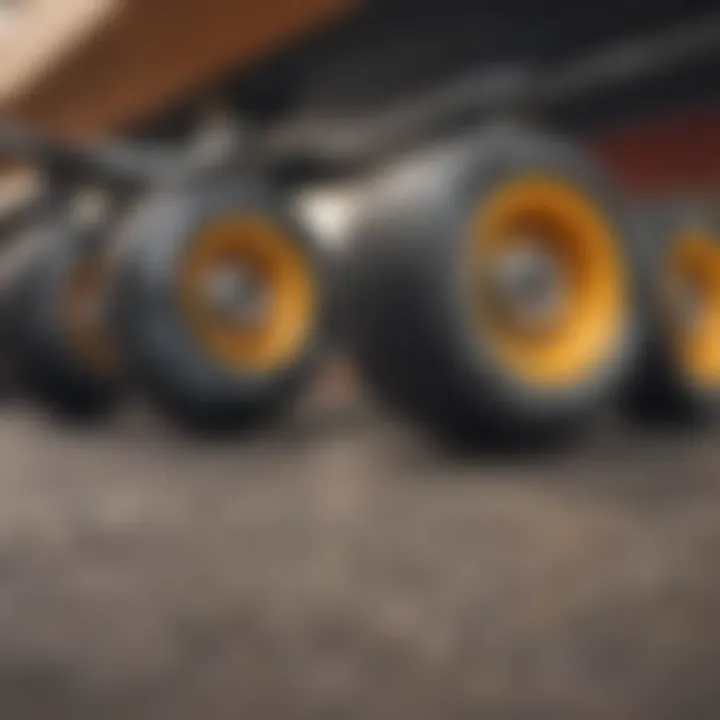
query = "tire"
{"x": 672, "y": 384}
{"x": 175, "y": 356}
{"x": 8, "y": 388}
{"x": 409, "y": 309}
{"x": 56, "y": 356}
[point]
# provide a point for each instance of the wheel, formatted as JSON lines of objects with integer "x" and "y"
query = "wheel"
{"x": 8, "y": 388}
{"x": 678, "y": 376}
{"x": 60, "y": 348}
{"x": 491, "y": 289}
{"x": 220, "y": 304}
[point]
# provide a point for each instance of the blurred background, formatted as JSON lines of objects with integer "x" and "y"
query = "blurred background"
{"x": 340, "y": 566}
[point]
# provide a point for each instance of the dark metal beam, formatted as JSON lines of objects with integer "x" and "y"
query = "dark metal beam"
{"x": 494, "y": 92}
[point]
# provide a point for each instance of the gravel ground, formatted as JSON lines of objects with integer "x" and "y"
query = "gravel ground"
{"x": 341, "y": 566}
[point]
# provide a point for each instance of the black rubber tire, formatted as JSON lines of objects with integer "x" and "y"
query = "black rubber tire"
{"x": 659, "y": 391}
{"x": 407, "y": 329}
{"x": 8, "y": 386}
{"x": 184, "y": 382}
{"x": 42, "y": 361}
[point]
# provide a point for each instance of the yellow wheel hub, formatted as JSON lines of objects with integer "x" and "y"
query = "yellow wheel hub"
{"x": 81, "y": 318}
{"x": 559, "y": 316}
{"x": 247, "y": 293}
{"x": 692, "y": 285}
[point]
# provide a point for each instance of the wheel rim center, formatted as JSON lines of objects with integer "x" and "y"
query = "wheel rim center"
{"x": 526, "y": 286}
{"x": 686, "y": 304}
{"x": 238, "y": 295}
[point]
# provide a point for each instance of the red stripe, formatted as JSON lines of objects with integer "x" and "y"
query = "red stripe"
{"x": 681, "y": 154}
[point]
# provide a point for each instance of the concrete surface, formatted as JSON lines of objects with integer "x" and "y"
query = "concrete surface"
{"x": 344, "y": 567}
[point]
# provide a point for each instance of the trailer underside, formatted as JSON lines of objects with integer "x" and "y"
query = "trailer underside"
{"x": 397, "y": 73}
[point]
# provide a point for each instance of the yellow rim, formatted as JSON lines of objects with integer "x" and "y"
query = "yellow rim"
{"x": 263, "y": 252}
{"x": 693, "y": 270}
{"x": 560, "y": 223}
{"x": 81, "y": 318}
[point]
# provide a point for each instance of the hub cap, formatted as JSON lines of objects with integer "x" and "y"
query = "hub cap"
{"x": 247, "y": 293}
{"x": 555, "y": 297}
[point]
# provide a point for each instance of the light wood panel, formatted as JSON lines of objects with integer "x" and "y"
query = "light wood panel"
{"x": 155, "y": 51}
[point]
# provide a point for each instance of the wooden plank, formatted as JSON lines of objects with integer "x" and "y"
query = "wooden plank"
{"x": 155, "y": 51}
{"x": 36, "y": 35}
